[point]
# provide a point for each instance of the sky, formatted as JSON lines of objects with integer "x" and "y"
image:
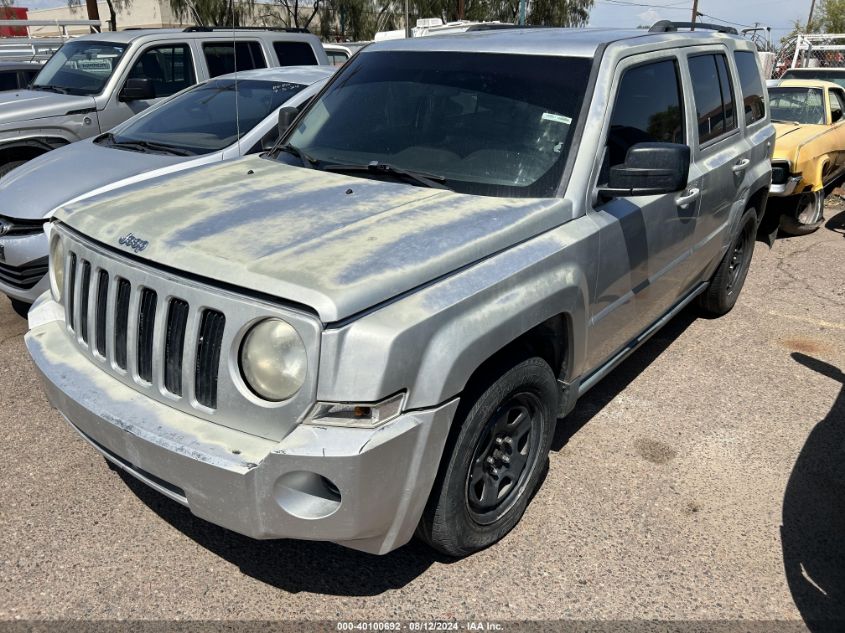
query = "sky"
{"x": 778, "y": 14}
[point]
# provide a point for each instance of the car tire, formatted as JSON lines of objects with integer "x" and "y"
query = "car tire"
{"x": 21, "y": 307}
{"x": 494, "y": 460}
{"x": 809, "y": 215}
{"x": 7, "y": 167}
{"x": 726, "y": 283}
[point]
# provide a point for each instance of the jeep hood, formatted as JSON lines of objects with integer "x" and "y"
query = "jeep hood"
{"x": 71, "y": 171}
{"x": 25, "y": 105}
{"x": 336, "y": 243}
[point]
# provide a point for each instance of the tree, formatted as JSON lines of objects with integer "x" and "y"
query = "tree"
{"x": 831, "y": 16}
{"x": 114, "y": 7}
{"x": 213, "y": 12}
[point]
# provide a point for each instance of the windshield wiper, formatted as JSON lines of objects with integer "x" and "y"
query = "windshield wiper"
{"x": 142, "y": 146}
{"x": 307, "y": 161}
{"x": 49, "y": 88}
{"x": 434, "y": 181}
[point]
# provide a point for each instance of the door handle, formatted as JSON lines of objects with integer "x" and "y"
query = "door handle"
{"x": 689, "y": 196}
{"x": 740, "y": 166}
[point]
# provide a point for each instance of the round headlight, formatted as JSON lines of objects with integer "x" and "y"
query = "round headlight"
{"x": 57, "y": 266}
{"x": 273, "y": 360}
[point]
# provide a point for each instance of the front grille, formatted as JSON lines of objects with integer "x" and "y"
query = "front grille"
{"x": 26, "y": 276}
{"x": 172, "y": 338}
{"x": 14, "y": 226}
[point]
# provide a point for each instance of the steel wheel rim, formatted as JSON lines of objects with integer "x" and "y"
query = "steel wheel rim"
{"x": 740, "y": 258}
{"x": 504, "y": 457}
{"x": 810, "y": 208}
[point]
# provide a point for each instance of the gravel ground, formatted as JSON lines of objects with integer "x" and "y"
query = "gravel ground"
{"x": 704, "y": 479}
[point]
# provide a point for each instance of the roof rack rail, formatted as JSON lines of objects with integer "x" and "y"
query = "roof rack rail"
{"x": 211, "y": 29}
{"x": 497, "y": 27}
{"x": 668, "y": 26}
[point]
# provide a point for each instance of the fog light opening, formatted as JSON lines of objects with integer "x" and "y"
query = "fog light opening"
{"x": 307, "y": 495}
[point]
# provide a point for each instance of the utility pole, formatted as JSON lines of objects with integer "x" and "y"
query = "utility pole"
{"x": 695, "y": 13}
{"x": 810, "y": 18}
{"x": 407, "y": 21}
{"x": 93, "y": 10}
{"x": 461, "y": 9}
{"x": 522, "y": 12}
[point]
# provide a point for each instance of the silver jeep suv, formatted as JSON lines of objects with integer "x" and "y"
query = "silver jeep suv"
{"x": 372, "y": 330}
{"x": 94, "y": 82}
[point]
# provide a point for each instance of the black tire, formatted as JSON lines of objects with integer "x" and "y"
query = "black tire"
{"x": 21, "y": 307}
{"x": 493, "y": 461}
{"x": 726, "y": 283}
{"x": 807, "y": 216}
{"x": 7, "y": 167}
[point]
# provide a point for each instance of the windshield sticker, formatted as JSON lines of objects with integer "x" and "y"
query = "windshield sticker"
{"x": 557, "y": 118}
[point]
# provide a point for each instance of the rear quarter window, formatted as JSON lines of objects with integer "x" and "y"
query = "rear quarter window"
{"x": 753, "y": 102}
{"x": 295, "y": 53}
{"x": 221, "y": 56}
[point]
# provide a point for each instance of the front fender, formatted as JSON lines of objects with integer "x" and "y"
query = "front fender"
{"x": 432, "y": 341}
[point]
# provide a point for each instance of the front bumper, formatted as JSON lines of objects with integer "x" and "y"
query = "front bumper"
{"x": 22, "y": 256}
{"x": 785, "y": 189}
{"x": 251, "y": 485}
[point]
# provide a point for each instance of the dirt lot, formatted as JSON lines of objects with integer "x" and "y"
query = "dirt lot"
{"x": 704, "y": 480}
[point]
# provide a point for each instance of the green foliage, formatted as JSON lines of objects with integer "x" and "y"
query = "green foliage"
{"x": 831, "y": 16}
{"x": 213, "y": 12}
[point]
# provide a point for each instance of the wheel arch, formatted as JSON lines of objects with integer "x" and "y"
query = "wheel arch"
{"x": 28, "y": 149}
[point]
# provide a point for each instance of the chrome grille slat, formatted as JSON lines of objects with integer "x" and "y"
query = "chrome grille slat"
{"x": 233, "y": 404}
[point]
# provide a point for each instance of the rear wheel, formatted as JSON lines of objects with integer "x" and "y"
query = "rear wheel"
{"x": 727, "y": 281}
{"x": 495, "y": 461}
{"x": 809, "y": 214}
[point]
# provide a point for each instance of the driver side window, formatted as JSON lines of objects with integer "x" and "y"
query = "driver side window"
{"x": 170, "y": 68}
{"x": 647, "y": 109}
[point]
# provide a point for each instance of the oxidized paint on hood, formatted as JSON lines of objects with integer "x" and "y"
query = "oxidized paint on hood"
{"x": 337, "y": 243}
{"x": 25, "y": 105}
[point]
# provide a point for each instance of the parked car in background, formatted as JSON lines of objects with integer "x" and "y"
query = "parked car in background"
{"x": 809, "y": 151}
{"x": 370, "y": 331}
{"x": 195, "y": 127}
{"x": 818, "y": 73}
{"x": 338, "y": 54}
{"x": 17, "y": 75}
{"x": 95, "y": 82}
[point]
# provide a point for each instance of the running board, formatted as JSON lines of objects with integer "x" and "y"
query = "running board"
{"x": 590, "y": 381}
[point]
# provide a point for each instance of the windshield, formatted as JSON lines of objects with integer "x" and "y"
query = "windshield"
{"x": 797, "y": 105}
{"x": 202, "y": 120}
{"x": 80, "y": 68}
{"x": 486, "y": 124}
{"x": 837, "y": 76}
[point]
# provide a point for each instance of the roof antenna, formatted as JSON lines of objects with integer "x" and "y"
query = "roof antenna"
{"x": 235, "y": 51}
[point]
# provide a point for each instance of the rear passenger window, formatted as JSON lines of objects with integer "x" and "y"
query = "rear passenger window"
{"x": 713, "y": 95}
{"x": 754, "y": 104}
{"x": 295, "y": 53}
{"x": 220, "y": 57}
{"x": 647, "y": 109}
{"x": 170, "y": 68}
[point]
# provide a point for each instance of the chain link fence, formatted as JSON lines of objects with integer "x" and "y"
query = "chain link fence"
{"x": 810, "y": 51}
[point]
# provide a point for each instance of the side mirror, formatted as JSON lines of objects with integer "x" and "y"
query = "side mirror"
{"x": 286, "y": 117}
{"x": 138, "y": 89}
{"x": 835, "y": 115}
{"x": 649, "y": 169}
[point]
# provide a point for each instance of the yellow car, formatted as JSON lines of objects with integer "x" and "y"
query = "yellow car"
{"x": 809, "y": 118}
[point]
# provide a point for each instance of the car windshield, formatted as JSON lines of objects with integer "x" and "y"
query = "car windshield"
{"x": 797, "y": 105}
{"x": 79, "y": 68}
{"x": 485, "y": 124}
{"x": 835, "y": 75}
{"x": 203, "y": 119}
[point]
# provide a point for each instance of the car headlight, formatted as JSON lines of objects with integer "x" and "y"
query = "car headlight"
{"x": 57, "y": 266}
{"x": 273, "y": 360}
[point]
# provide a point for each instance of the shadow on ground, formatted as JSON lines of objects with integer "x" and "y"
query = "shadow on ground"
{"x": 813, "y": 530}
{"x": 326, "y": 568}
{"x": 837, "y": 223}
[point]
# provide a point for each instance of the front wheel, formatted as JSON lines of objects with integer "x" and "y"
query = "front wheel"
{"x": 726, "y": 283}
{"x": 495, "y": 462}
{"x": 809, "y": 214}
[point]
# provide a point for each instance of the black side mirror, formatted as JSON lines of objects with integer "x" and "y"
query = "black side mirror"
{"x": 835, "y": 115}
{"x": 286, "y": 117}
{"x": 138, "y": 89}
{"x": 649, "y": 169}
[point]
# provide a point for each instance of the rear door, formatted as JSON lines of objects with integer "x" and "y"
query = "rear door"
{"x": 644, "y": 240}
{"x": 720, "y": 152}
